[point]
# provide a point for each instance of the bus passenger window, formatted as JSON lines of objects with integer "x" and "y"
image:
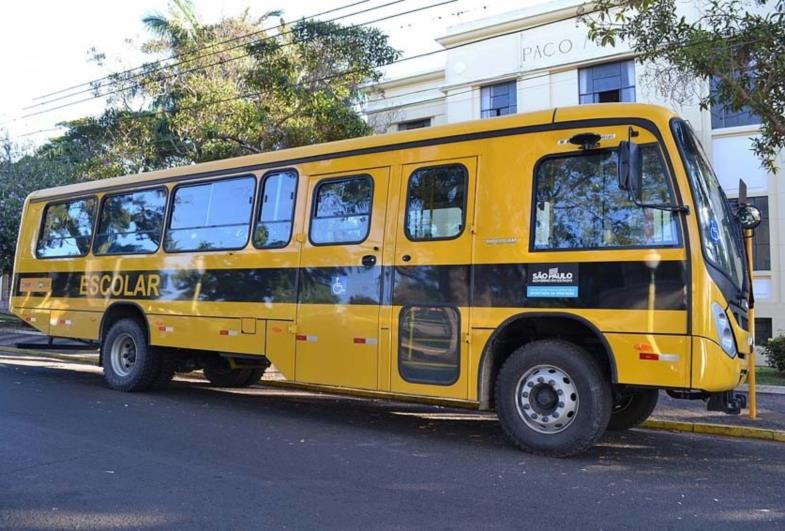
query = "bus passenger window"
{"x": 429, "y": 344}
{"x": 211, "y": 216}
{"x": 131, "y": 222}
{"x": 342, "y": 210}
{"x": 579, "y": 205}
{"x": 436, "y": 203}
{"x": 276, "y": 211}
{"x": 67, "y": 229}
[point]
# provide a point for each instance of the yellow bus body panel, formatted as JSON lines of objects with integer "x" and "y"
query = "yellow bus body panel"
{"x": 356, "y": 344}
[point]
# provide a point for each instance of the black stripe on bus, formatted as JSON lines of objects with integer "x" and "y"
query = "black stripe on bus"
{"x": 601, "y": 285}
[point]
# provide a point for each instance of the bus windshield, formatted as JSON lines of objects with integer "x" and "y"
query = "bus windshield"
{"x": 720, "y": 233}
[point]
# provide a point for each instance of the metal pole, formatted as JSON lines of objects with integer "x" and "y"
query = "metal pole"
{"x": 752, "y": 401}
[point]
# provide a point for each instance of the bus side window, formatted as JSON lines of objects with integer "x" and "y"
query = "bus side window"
{"x": 211, "y": 216}
{"x": 276, "y": 210}
{"x": 342, "y": 210}
{"x": 67, "y": 228}
{"x": 436, "y": 203}
{"x": 578, "y": 203}
{"x": 131, "y": 223}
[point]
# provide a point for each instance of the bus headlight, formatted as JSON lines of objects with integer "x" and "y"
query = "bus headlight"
{"x": 724, "y": 332}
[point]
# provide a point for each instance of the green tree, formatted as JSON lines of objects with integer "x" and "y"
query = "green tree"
{"x": 255, "y": 92}
{"x": 738, "y": 45}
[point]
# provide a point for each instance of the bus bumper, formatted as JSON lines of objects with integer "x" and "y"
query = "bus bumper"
{"x": 714, "y": 371}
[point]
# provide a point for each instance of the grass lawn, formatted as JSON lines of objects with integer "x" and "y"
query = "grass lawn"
{"x": 769, "y": 376}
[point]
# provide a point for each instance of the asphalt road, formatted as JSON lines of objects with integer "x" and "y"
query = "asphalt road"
{"x": 75, "y": 454}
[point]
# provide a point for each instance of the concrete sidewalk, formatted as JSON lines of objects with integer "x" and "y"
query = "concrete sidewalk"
{"x": 771, "y": 412}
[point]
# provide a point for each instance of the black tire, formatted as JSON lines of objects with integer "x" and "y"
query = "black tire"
{"x": 129, "y": 362}
{"x": 254, "y": 377}
{"x": 221, "y": 375}
{"x": 632, "y": 407}
{"x": 565, "y": 424}
{"x": 167, "y": 370}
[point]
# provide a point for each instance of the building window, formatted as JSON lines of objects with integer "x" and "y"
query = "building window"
{"x": 342, "y": 210}
{"x": 499, "y": 99}
{"x": 721, "y": 116}
{"x": 414, "y": 124}
{"x": 609, "y": 82}
{"x": 436, "y": 202}
{"x": 761, "y": 248}
{"x": 763, "y": 331}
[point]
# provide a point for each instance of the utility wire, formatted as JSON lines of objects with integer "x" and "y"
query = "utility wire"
{"x": 175, "y": 56}
{"x": 224, "y": 61}
{"x": 418, "y": 56}
{"x": 192, "y": 58}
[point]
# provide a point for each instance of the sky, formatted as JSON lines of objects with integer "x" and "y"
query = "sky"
{"x": 46, "y": 44}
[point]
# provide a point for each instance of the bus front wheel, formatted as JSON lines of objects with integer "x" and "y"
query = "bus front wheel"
{"x": 553, "y": 398}
{"x": 130, "y": 363}
{"x": 632, "y": 407}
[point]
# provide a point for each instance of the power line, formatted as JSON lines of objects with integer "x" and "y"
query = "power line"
{"x": 433, "y": 52}
{"x": 197, "y": 57}
{"x": 410, "y": 58}
{"x": 174, "y": 56}
{"x": 224, "y": 61}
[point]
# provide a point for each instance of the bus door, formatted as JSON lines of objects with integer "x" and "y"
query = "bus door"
{"x": 431, "y": 278}
{"x": 340, "y": 282}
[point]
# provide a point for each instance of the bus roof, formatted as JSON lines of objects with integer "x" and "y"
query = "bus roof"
{"x": 292, "y": 156}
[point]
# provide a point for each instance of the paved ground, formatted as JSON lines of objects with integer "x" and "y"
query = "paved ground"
{"x": 75, "y": 454}
{"x": 771, "y": 408}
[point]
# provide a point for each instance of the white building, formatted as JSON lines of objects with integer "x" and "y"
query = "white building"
{"x": 540, "y": 57}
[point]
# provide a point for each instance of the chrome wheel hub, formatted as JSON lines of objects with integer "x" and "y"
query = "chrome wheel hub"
{"x": 547, "y": 399}
{"x": 123, "y": 354}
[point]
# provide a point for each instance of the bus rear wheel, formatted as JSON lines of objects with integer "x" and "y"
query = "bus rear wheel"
{"x": 129, "y": 362}
{"x": 632, "y": 407}
{"x": 221, "y": 375}
{"x": 553, "y": 398}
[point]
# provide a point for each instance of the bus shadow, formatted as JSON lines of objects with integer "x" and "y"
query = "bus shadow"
{"x": 347, "y": 420}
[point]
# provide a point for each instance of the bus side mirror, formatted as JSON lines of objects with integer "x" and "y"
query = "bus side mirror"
{"x": 749, "y": 216}
{"x": 631, "y": 170}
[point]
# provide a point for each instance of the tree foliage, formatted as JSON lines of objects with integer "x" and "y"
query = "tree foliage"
{"x": 738, "y": 45}
{"x": 233, "y": 89}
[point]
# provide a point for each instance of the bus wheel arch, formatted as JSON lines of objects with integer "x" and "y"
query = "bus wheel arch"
{"x": 524, "y": 328}
{"x": 117, "y": 311}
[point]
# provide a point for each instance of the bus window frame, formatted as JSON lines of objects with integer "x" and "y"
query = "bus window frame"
{"x": 131, "y": 191}
{"x": 460, "y": 353}
{"x": 314, "y": 204}
{"x": 170, "y": 212}
{"x": 42, "y": 223}
{"x": 463, "y": 208}
{"x": 258, "y": 210}
{"x": 669, "y": 175}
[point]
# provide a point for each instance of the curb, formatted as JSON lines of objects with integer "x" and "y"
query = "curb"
{"x": 30, "y": 353}
{"x": 743, "y": 432}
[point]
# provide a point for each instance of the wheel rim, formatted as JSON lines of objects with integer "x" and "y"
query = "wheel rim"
{"x": 623, "y": 402}
{"x": 123, "y": 354}
{"x": 547, "y": 399}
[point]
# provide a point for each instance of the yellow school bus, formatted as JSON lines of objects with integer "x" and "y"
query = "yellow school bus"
{"x": 559, "y": 267}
